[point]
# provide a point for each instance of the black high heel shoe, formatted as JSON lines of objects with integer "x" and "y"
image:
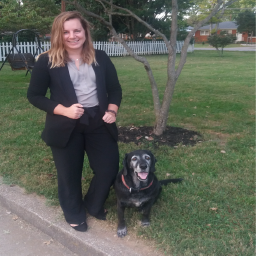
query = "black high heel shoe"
{"x": 102, "y": 215}
{"x": 81, "y": 227}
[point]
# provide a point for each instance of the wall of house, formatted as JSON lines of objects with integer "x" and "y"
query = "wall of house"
{"x": 203, "y": 38}
{"x": 199, "y": 38}
{"x": 246, "y": 39}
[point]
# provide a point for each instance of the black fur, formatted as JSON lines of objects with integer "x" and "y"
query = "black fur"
{"x": 137, "y": 165}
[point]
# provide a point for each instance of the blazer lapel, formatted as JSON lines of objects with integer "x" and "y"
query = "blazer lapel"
{"x": 98, "y": 75}
{"x": 67, "y": 84}
{"x": 100, "y": 83}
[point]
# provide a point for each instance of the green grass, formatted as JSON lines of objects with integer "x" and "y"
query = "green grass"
{"x": 212, "y": 211}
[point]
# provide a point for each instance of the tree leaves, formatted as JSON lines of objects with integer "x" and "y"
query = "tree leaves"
{"x": 32, "y": 14}
{"x": 246, "y": 21}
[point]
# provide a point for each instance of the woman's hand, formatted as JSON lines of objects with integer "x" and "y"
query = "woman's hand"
{"x": 75, "y": 111}
{"x": 110, "y": 114}
{"x": 109, "y": 117}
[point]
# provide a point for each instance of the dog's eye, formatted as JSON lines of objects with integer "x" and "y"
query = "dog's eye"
{"x": 147, "y": 157}
{"x": 134, "y": 158}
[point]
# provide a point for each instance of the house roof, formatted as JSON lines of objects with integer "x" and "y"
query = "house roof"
{"x": 189, "y": 28}
{"x": 222, "y": 25}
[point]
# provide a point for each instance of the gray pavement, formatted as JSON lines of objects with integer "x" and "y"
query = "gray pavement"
{"x": 240, "y": 49}
{"x": 30, "y": 227}
{"x": 19, "y": 238}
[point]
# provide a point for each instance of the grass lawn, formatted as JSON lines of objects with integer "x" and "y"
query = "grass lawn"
{"x": 206, "y": 45}
{"x": 212, "y": 211}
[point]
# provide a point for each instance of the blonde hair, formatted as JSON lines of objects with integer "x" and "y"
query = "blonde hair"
{"x": 58, "y": 56}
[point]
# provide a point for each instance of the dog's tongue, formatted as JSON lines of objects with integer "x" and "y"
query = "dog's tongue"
{"x": 143, "y": 175}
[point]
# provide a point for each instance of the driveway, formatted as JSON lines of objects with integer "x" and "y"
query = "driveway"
{"x": 240, "y": 49}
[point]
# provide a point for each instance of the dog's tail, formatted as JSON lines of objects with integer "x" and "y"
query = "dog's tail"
{"x": 165, "y": 182}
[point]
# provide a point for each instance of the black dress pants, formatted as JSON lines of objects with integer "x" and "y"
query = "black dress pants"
{"x": 103, "y": 155}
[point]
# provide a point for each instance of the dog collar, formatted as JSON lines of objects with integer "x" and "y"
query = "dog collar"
{"x": 130, "y": 188}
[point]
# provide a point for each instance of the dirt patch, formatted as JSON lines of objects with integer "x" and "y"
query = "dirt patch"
{"x": 171, "y": 137}
{"x": 252, "y": 112}
{"x": 221, "y": 138}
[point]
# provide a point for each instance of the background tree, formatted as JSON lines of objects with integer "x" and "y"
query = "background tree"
{"x": 155, "y": 13}
{"x": 161, "y": 110}
{"x": 27, "y": 14}
{"x": 202, "y": 8}
{"x": 246, "y": 22}
{"x": 233, "y": 11}
{"x": 219, "y": 41}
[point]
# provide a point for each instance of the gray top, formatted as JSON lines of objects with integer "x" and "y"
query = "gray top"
{"x": 84, "y": 82}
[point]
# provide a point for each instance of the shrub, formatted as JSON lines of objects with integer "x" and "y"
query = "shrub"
{"x": 221, "y": 40}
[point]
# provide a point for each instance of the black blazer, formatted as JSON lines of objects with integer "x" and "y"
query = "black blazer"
{"x": 59, "y": 128}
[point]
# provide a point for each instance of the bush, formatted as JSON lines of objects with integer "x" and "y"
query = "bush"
{"x": 23, "y": 36}
{"x": 221, "y": 40}
{"x": 5, "y": 38}
{"x": 239, "y": 42}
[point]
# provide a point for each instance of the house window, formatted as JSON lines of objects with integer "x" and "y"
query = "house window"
{"x": 204, "y": 33}
{"x": 228, "y": 31}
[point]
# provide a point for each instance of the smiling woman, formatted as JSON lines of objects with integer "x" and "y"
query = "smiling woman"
{"x": 70, "y": 40}
{"x": 81, "y": 115}
{"x": 74, "y": 37}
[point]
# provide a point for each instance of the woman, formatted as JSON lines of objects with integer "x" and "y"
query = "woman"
{"x": 85, "y": 95}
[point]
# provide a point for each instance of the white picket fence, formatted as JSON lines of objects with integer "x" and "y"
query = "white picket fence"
{"x": 111, "y": 48}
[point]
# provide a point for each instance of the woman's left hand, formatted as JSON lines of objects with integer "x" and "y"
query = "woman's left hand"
{"x": 109, "y": 117}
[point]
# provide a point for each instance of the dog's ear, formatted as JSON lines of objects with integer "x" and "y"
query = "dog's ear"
{"x": 125, "y": 165}
{"x": 153, "y": 162}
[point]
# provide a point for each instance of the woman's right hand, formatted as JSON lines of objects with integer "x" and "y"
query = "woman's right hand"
{"x": 75, "y": 111}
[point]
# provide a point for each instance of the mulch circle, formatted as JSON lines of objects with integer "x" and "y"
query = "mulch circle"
{"x": 172, "y": 136}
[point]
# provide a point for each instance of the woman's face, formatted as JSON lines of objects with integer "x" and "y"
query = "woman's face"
{"x": 73, "y": 35}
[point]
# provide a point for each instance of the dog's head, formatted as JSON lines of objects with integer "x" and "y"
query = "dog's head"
{"x": 140, "y": 163}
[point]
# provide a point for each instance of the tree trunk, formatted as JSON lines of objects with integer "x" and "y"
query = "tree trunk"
{"x": 134, "y": 36}
{"x": 161, "y": 119}
{"x": 63, "y": 6}
{"x": 127, "y": 22}
{"x": 110, "y": 15}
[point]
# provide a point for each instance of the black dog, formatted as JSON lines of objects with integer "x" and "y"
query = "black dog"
{"x": 137, "y": 186}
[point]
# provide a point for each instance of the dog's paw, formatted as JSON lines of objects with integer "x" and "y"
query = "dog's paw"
{"x": 121, "y": 232}
{"x": 145, "y": 223}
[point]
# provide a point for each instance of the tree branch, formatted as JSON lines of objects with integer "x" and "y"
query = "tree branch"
{"x": 174, "y": 27}
{"x": 110, "y": 12}
{"x": 105, "y": 8}
{"x": 117, "y": 13}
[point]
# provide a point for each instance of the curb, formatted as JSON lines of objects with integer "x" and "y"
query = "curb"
{"x": 97, "y": 240}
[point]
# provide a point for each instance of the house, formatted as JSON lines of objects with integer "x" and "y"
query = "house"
{"x": 228, "y": 26}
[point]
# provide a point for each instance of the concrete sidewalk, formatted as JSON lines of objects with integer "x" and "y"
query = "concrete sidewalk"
{"x": 100, "y": 239}
{"x": 19, "y": 238}
{"x": 239, "y": 49}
